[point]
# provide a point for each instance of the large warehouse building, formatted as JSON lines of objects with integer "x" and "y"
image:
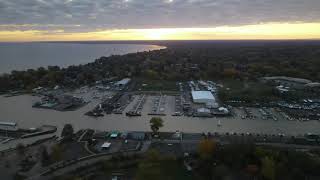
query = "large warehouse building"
{"x": 8, "y": 126}
{"x": 204, "y": 97}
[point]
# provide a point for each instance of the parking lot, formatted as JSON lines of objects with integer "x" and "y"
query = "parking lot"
{"x": 267, "y": 114}
{"x": 114, "y": 147}
{"x": 89, "y": 94}
{"x": 136, "y": 106}
{"x": 165, "y": 148}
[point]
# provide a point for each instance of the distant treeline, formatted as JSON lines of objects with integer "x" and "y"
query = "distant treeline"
{"x": 199, "y": 60}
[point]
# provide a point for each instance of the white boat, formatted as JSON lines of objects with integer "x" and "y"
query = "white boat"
{"x": 219, "y": 123}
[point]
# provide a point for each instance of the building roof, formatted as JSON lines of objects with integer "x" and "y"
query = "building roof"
{"x": 114, "y": 135}
{"x": 8, "y": 124}
{"x": 202, "y": 95}
{"x": 203, "y": 110}
{"x": 315, "y": 84}
{"x": 106, "y": 145}
{"x": 123, "y": 81}
{"x": 137, "y": 135}
{"x": 284, "y": 78}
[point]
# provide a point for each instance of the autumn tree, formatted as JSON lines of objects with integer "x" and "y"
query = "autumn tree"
{"x": 56, "y": 152}
{"x": 206, "y": 148}
{"x": 268, "y": 168}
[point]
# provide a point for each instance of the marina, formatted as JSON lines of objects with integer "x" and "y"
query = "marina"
{"x": 19, "y": 110}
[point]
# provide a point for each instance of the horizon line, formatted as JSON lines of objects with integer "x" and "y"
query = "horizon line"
{"x": 160, "y": 40}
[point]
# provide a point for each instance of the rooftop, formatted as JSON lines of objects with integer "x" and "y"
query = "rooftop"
{"x": 123, "y": 81}
{"x": 106, "y": 145}
{"x": 8, "y": 123}
{"x": 202, "y": 95}
{"x": 315, "y": 84}
{"x": 284, "y": 78}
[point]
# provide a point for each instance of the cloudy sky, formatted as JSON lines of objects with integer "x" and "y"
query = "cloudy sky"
{"x": 158, "y": 19}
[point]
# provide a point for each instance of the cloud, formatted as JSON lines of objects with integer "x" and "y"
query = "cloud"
{"x": 90, "y": 15}
{"x": 261, "y": 31}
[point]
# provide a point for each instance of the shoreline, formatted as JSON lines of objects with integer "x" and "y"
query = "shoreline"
{"x": 109, "y": 52}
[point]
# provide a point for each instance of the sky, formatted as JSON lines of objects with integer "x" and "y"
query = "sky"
{"x": 58, "y": 20}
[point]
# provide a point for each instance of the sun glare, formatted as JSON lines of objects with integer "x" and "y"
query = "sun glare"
{"x": 160, "y": 34}
{"x": 259, "y": 31}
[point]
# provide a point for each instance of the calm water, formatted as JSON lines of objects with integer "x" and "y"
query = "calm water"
{"x": 19, "y": 109}
{"x": 22, "y": 56}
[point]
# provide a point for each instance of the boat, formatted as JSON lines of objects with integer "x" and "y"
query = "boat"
{"x": 219, "y": 123}
{"x": 132, "y": 113}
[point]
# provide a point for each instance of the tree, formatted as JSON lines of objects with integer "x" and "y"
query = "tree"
{"x": 44, "y": 155}
{"x": 268, "y": 168}
{"x": 56, "y": 153}
{"x": 156, "y": 123}
{"x": 150, "y": 168}
{"x": 206, "y": 148}
{"x": 151, "y": 74}
{"x": 67, "y": 132}
{"x": 220, "y": 171}
{"x": 157, "y": 167}
{"x": 21, "y": 149}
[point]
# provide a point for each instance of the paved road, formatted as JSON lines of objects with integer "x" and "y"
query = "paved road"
{"x": 25, "y": 141}
{"x": 73, "y": 167}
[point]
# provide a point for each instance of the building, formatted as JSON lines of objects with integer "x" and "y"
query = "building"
{"x": 114, "y": 134}
{"x": 105, "y": 145}
{"x": 203, "y": 112}
{"x": 8, "y": 126}
{"x": 315, "y": 86}
{"x": 204, "y": 97}
{"x": 221, "y": 111}
{"x": 137, "y": 136}
{"x": 37, "y": 90}
{"x": 291, "y": 82}
{"x": 123, "y": 82}
{"x": 282, "y": 89}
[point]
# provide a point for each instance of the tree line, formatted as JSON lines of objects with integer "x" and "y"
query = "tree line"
{"x": 180, "y": 63}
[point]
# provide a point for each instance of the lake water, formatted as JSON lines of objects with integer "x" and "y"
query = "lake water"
{"x": 22, "y": 56}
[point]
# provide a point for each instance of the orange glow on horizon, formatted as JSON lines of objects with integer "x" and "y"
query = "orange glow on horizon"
{"x": 259, "y": 31}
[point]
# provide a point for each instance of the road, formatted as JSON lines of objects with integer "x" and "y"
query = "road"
{"x": 26, "y": 141}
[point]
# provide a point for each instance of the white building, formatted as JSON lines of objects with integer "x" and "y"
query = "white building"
{"x": 204, "y": 97}
{"x": 105, "y": 145}
{"x": 8, "y": 126}
{"x": 123, "y": 82}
